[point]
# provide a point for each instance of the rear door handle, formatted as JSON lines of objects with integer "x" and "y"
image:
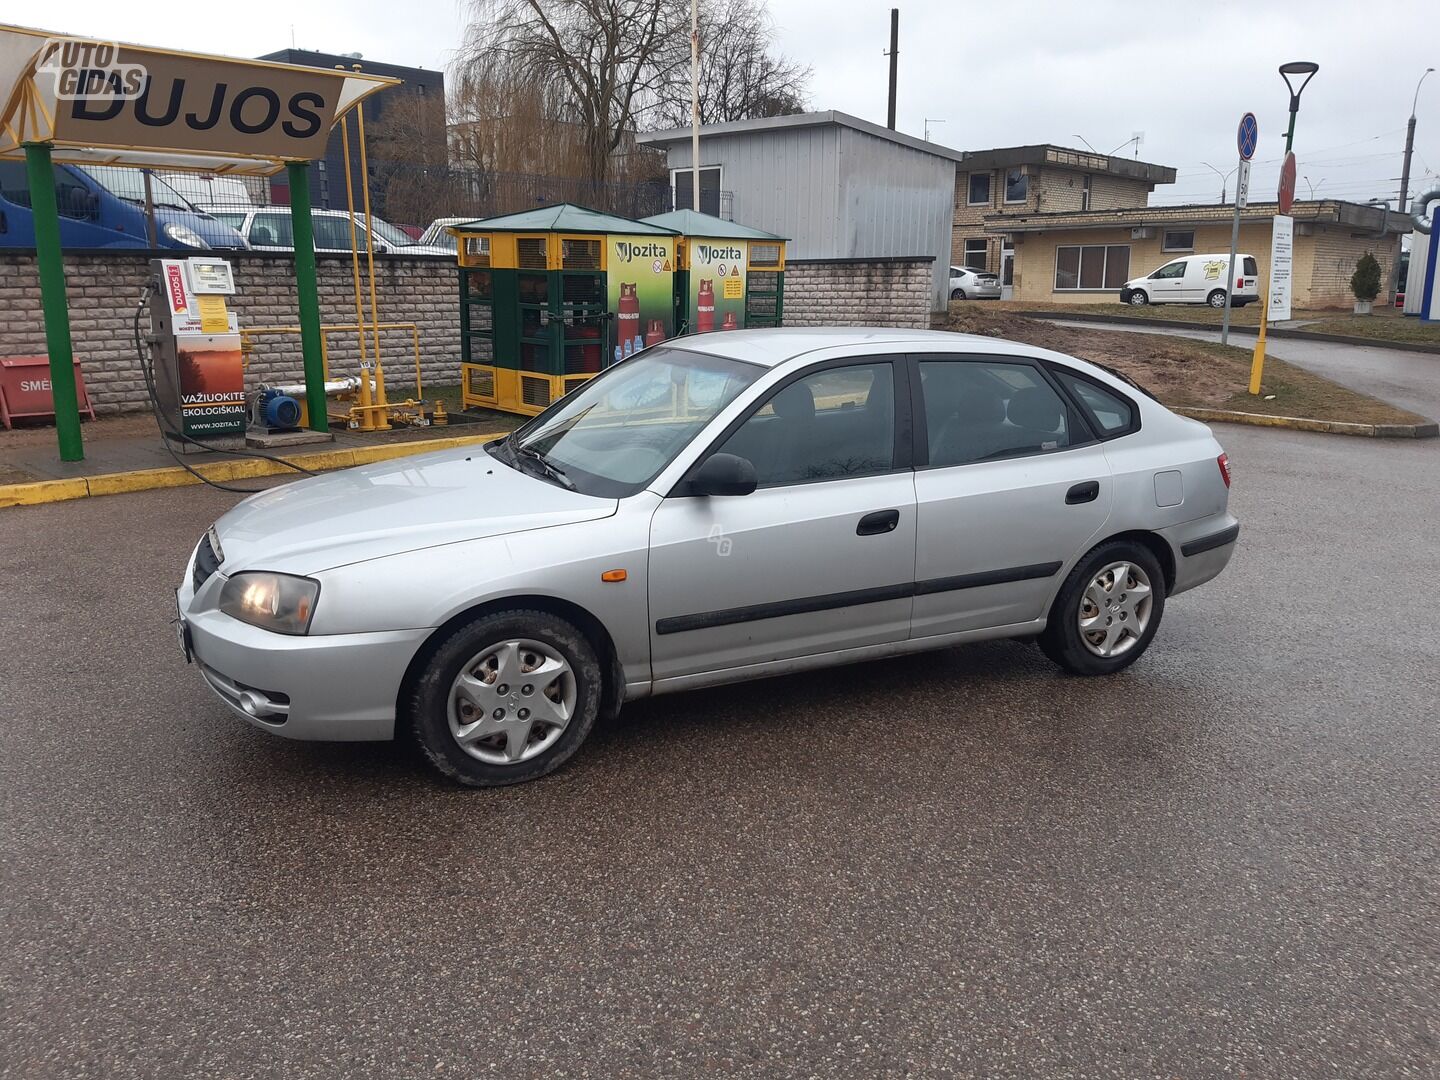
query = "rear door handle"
{"x": 1089, "y": 491}
{"x": 881, "y": 521}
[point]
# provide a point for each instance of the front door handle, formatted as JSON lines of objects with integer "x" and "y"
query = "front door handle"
{"x": 1089, "y": 491}
{"x": 881, "y": 521}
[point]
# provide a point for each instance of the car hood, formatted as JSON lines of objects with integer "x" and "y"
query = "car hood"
{"x": 391, "y": 507}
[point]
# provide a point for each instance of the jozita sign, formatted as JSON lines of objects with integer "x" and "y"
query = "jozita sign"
{"x": 629, "y": 251}
{"x": 119, "y": 95}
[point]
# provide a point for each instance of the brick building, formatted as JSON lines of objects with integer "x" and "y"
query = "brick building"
{"x": 1072, "y": 256}
{"x": 1038, "y": 179}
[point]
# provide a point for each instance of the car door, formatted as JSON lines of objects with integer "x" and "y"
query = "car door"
{"x": 821, "y": 556}
{"x": 1167, "y": 285}
{"x": 1010, "y": 487}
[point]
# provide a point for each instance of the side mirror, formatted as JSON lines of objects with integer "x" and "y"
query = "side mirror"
{"x": 725, "y": 474}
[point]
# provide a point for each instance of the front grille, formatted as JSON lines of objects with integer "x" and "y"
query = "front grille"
{"x": 205, "y": 563}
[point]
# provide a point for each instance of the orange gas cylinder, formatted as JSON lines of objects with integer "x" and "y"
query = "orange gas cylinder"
{"x": 654, "y": 333}
{"x": 589, "y": 354}
{"x": 730, "y": 323}
{"x": 705, "y": 307}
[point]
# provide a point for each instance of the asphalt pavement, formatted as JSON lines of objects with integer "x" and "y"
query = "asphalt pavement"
{"x": 1402, "y": 377}
{"x": 1222, "y": 862}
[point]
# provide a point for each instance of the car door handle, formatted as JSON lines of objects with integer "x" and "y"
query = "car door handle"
{"x": 1089, "y": 491}
{"x": 881, "y": 521}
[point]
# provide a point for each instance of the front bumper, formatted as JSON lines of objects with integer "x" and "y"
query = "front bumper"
{"x": 339, "y": 687}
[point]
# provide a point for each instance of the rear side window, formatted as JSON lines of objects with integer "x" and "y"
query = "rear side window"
{"x": 1251, "y": 270}
{"x": 1113, "y": 414}
{"x": 985, "y": 410}
{"x": 15, "y": 182}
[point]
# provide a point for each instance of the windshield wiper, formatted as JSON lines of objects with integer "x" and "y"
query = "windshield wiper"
{"x": 551, "y": 470}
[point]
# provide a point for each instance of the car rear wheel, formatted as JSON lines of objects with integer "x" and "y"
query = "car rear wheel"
{"x": 1107, "y": 611}
{"x": 957, "y": 294}
{"x": 1138, "y": 298}
{"x": 1216, "y": 299}
{"x": 505, "y": 698}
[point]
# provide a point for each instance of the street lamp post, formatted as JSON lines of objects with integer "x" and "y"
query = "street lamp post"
{"x": 1293, "y": 70}
{"x": 1224, "y": 180}
{"x": 1296, "y": 68}
{"x": 1405, "y": 182}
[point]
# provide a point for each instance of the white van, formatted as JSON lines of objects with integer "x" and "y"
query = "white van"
{"x": 203, "y": 189}
{"x": 1195, "y": 279}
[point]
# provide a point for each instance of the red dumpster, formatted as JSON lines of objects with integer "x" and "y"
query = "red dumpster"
{"x": 25, "y": 389}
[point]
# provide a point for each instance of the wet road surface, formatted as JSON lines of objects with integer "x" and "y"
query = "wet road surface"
{"x": 1221, "y": 863}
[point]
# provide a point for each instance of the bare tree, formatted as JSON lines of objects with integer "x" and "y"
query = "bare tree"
{"x": 608, "y": 59}
{"x": 740, "y": 78}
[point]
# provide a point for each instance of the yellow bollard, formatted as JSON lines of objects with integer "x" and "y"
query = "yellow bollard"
{"x": 1257, "y": 365}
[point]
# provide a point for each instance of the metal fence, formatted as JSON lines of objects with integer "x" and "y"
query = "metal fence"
{"x": 109, "y": 206}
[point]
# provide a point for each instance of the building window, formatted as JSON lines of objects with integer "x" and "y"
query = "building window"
{"x": 977, "y": 251}
{"x": 1178, "y": 240}
{"x": 683, "y": 190}
{"x": 1085, "y": 192}
{"x": 1017, "y": 185}
{"x": 979, "y": 189}
{"x": 1091, "y": 266}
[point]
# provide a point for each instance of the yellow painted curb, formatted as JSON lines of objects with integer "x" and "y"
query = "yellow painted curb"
{"x": 82, "y": 487}
{"x": 1300, "y": 423}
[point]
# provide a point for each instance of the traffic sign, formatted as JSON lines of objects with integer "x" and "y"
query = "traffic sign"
{"x": 1287, "y": 183}
{"x": 1242, "y": 184}
{"x": 1247, "y": 136}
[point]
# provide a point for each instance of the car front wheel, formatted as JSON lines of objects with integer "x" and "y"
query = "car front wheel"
{"x": 1138, "y": 298}
{"x": 507, "y": 697}
{"x": 1107, "y": 611}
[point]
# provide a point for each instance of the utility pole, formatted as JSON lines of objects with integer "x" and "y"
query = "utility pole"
{"x": 1405, "y": 184}
{"x": 928, "y": 122}
{"x": 894, "y": 55}
{"x": 695, "y": 106}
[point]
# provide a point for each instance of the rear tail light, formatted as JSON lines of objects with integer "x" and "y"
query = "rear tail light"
{"x": 1224, "y": 462}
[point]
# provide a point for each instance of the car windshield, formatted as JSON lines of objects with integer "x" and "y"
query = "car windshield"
{"x": 388, "y": 233}
{"x": 129, "y": 184}
{"x": 617, "y": 432}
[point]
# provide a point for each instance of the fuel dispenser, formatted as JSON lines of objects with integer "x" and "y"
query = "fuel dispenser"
{"x": 195, "y": 353}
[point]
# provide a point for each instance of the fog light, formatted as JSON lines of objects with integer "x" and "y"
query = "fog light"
{"x": 254, "y": 704}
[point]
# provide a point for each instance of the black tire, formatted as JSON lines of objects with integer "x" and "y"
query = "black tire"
{"x": 1139, "y": 298}
{"x": 957, "y": 294}
{"x": 1216, "y": 299}
{"x": 1061, "y": 640}
{"x": 428, "y": 704}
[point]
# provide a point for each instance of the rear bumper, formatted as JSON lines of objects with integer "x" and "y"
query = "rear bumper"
{"x": 1201, "y": 548}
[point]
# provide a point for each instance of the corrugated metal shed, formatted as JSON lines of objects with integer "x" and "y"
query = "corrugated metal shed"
{"x": 838, "y": 186}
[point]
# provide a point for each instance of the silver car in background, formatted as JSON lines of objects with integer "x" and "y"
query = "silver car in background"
{"x": 967, "y": 284}
{"x": 717, "y": 508}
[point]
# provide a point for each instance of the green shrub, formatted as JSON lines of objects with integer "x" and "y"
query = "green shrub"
{"x": 1365, "y": 282}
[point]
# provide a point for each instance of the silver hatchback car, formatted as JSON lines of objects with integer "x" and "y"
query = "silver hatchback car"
{"x": 718, "y": 508}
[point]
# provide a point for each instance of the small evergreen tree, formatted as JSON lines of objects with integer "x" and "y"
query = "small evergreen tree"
{"x": 1365, "y": 282}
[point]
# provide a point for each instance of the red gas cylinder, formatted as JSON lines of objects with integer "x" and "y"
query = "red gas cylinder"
{"x": 589, "y": 354}
{"x": 654, "y": 333}
{"x": 730, "y": 323}
{"x": 705, "y": 307}
{"x": 627, "y": 321}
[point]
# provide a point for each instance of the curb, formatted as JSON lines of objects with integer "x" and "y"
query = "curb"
{"x": 1298, "y": 423}
{"x": 122, "y": 483}
{"x": 1274, "y": 332}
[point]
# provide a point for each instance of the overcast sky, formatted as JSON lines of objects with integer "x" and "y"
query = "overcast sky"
{"x": 997, "y": 74}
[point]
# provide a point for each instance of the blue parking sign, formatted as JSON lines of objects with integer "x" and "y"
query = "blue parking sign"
{"x": 1247, "y": 136}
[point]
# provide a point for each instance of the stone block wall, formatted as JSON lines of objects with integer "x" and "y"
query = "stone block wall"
{"x": 104, "y": 289}
{"x": 859, "y": 292}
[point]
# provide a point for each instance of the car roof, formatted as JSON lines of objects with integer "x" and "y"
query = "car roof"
{"x": 777, "y": 346}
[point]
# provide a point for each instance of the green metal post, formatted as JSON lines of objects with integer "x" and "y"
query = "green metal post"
{"x": 307, "y": 290}
{"x": 53, "y": 302}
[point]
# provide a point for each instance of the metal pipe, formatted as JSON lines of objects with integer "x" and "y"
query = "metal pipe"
{"x": 382, "y": 423}
{"x": 347, "y": 384}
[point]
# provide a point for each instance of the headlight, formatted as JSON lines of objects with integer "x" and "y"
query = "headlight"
{"x": 183, "y": 234}
{"x": 279, "y": 602}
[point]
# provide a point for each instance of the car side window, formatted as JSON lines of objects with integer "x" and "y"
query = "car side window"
{"x": 333, "y": 233}
{"x": 1174, "y": 270}
{"x": 983, "y": 410}
{"x": 15, "y": 182}
{"x": 1113, "y": 413}
{"x": 838, "y": 422}
{"x": 272, "y": 230}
